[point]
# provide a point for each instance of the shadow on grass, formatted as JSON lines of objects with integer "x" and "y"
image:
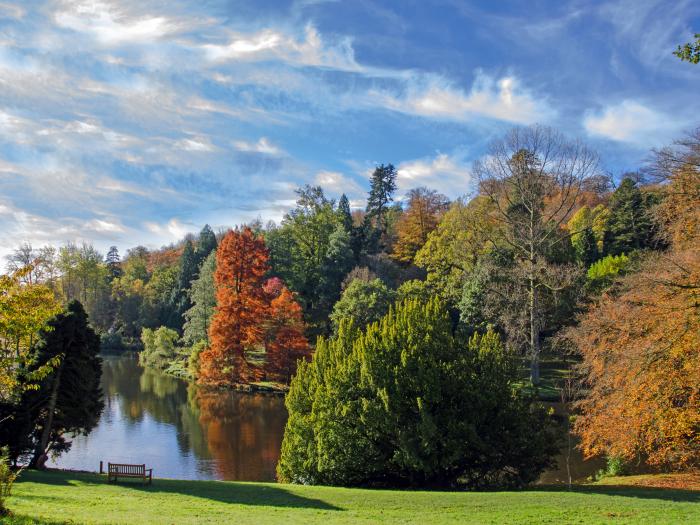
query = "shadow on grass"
{"x": 225, "y": 492}
{"x": 626, "y": 491}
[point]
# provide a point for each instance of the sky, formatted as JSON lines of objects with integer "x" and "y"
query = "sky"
{"x": 137, "y": 121}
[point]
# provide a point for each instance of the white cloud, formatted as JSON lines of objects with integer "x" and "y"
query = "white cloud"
{"x": 263, "y": 146}
{"x": 435, "y": 97}
{"x": 632, "y": 122}
{"x": 196, "y": 144}
{"x": 444, "y": 173}
{"x": 269, "y": 44}
{"x": 108, "y": 25}
{"x": 335, "y": 183}
{"x": 173, "y": 230}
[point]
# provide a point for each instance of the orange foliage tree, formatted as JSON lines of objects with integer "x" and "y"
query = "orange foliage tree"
{"x": 285, "y": 341}
{"x": 425, "y": 207}
{"x": 251, "y": 313}
{"x": 641, "y": 348}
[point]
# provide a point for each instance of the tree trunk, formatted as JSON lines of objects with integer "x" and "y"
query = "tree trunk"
{"x": 38, "y": 459}
{"x": 534, "y": 333}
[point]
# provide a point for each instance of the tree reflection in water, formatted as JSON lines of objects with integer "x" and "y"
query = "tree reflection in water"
{"x": 182, "y": 430}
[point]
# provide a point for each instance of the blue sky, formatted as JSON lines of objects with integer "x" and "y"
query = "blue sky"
{"x": 133, "y": 122}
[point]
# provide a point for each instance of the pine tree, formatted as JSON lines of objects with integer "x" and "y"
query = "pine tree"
{"x": 206, "y": 243}
{"x": 69, "y": 400}
{"x": 382, "y": 187}
{"x": 345, "y": 213}
{"x": 113, "y": 263}
{"x": 630, "y": 225}
{"x": 180, "y": 302}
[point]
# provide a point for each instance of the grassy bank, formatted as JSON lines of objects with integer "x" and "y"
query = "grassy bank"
{"x": 62, "y": 497}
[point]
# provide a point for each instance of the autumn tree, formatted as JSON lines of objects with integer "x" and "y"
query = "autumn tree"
{"x": 285, "y": 342}
{"x": 640, "y": 342}
{"x": 534, "y": 177}
{"x": 241, "y": 304}
{"x": 422, "y": 214}
{"x": 25, "y": 310}
{"x": 465, "y": 232}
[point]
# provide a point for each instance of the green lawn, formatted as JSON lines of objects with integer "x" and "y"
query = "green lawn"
{"x": 59, "y": 497}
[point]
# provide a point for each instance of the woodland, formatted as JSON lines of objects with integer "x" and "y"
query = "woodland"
{"x": 408, "y": 334}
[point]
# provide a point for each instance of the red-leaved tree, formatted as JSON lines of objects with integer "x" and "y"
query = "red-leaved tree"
{"x": 285, "y": 341}
{"x": 252, "y": 313}
{"x": 241, "y": 309}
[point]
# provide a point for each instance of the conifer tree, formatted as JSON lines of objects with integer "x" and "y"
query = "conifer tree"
{"x": 382, "y": 188}
{"x": 345, "y": 213}
{"x": 69, "y": 400}
{"x": 241, "y": 305}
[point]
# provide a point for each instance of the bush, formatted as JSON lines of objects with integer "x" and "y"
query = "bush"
{"x": 160, "y": 348}
{"x": 602, "y": 273}
{"x": 112, "y": 343}
{"x": 7, "y": 478}
{"x": 405, "y": 404}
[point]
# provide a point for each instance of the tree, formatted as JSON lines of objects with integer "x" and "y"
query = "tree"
{"x": 299, "y": 253}
{"x": 690, "y": 52}
{"x": 160, "y": 347}
{"x": 189, "y": 269}
{"x": 345, "y": 213}
{"x": 25, "y": 310}
{"x": 630, "y": 225}
{"x": 241, "y": 304}
{"x": 285, "y": 342}
{"x": 206, "y": 243}
{"x": 113, "y": 262}
{"x": 363, "y": 303}
{"x": 406, "y": 404}
{"x": 534, "y": 177}
{"x": 421, "y": 217}
{"x": 465, "y": 232}
{"x": 69, "y": 400}
{"x": 202, "y": 295}
{"x": 639, "y": 346}
{"x": 382, "y": 187}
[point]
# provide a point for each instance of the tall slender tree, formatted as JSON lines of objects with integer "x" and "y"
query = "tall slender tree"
{"x": 534, "y": 177}
{"x": 241, "y": 266}
{"x": 382, "y": 188}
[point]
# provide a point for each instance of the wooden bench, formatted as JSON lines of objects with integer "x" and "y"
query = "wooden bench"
{"x": 122, "y": 470}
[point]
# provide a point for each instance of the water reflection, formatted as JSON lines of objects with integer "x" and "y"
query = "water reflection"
{"x": 188, "y": 433}
{"x": 181, "y": 431}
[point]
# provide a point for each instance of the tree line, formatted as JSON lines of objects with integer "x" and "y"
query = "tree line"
{"x": 401, "y": 312}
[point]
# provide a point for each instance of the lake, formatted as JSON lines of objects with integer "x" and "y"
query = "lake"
{"x": 185, "y": 432}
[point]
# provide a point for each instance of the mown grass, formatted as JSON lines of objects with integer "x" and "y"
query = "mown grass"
{"x": 64, "y": 497}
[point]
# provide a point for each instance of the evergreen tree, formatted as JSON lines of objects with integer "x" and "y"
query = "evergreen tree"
{"x": 69, "y": 400}
{"x": 339, "y": 260}
{"x": 205, "y": 244}
{"x": 406, "y": 403}
{"x": 630, "y": 225}
{"x": 113, "y": 263}
{"x": 382, "y": 187}
{"x": 363, "y": 303}
{"x": 345, "y": 213}
{"x": 202, "y": 295}
{"x": 189, "y": 268}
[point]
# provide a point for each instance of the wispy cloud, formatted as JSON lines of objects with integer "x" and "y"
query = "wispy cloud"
{"x": 263, "y": 146}
{"x": 500, "y": 99}
{"x": 632, "y": 122}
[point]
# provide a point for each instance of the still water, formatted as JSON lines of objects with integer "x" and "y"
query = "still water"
{"x": 186, "y": 433}
{"x": 179, "y": 430}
